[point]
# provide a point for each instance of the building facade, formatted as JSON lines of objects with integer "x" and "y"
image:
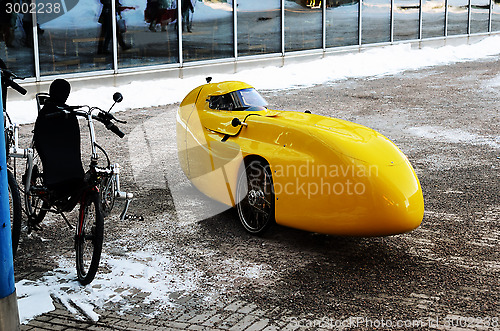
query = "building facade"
{"x": 91, "y": 37}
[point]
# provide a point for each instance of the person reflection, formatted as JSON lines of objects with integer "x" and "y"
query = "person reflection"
{"x": 187, "y": 14}
{"x": 7, "y": 22}
{"x": 151, "y": 13}
{"x": 105, "y": 19}
{"x": 159, "y": 12}
{"x": 28, "y": 29}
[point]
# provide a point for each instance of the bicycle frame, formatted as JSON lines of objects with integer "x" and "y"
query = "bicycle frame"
{"x": 94, "y": 203}
{"x": 111, "y": 171}
{"x": 12, "y": 145}
{"x": 14, "y": 150}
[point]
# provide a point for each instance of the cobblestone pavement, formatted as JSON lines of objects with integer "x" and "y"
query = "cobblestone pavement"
{"x": 443, "y": 274}
{"x": 235, "y": 315}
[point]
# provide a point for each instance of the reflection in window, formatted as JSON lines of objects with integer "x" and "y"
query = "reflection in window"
{"x": 480, "y": 13}
{"x": 238, "y": 100}
{"x": 221, "y": 102}
{"x": 406, "y": 19}
{"x": 495, "y": 17}
{"x": 433, "y": 18}
{"x": 207, "y": 29}
{"x": 70, "y": 41}
{"x": 457, "y": 17}
{"x": 16, "y": 42}
{"x": 259, "y": 27}
{"x": 342, "y": 23}
{"x": 303, "y": 25}
{"x": 376, "y": 21}
{"x": 151, "y": 32}
{"x": 251, "y": 98}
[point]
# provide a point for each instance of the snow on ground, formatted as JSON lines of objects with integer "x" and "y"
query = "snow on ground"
{"x": 373, "y": 62}
{"x": 456, "y": 136}
{"x": 156, "y": 274}
{"x": 493, "y": 85}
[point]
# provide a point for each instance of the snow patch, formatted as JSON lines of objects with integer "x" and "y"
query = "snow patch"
{"x": 374, "y": 62}
{"x": 157, "y": 275}
{"x": 456, "y": 136}
{"x": 33, "y": 299}
{"x": 493, "y": 85}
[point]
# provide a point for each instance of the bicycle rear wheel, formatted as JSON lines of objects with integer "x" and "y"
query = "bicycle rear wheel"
{"x": 15, "y": 211}
{"x": 36, "y": 208}
{"x": 89, "y": 237}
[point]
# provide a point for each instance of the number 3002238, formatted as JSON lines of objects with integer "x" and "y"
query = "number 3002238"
{"x": 30, "y": 8}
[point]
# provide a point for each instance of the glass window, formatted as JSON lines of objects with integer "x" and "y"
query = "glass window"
{"x": 495, "y": 17}
{"x": 250, "y": 98}
{"x": 259, "y": 27}
{"x": 147, "y": 32}
{"x": 457, "y": 17}
{"x": 303, "y": 25}
{"x": 76, "y": 37}
{"x": 16, "y": 42}
{"x": 406, "y": 19}
{"x": 221, "y": 102}
{"x": 376, "y": 21}
{"x": 433, "y": 18}
{"x": 207, "y": 29}
{"x": 238, "y": 100}
{"x": 480, "y": 13}
{"x": 342, "y": 23}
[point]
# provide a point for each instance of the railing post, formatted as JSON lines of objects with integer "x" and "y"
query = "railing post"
{"x": 490, "y": 12}
{"x": 114, "y": 39}
{"x": 282, "y": 27}
{"x": 36, "y": 47}
{"x": 420, "y": 19}
{"x": 179, "y": 33}
{"x": 392, "y": 22}
{"x": 469, "y": 16}
{"x": 360, "y": 23}
{"x": 323, "y": 12}
{"x": 235, "y": 28}
{"x": 446, "y": 18}
{"x": 9, "y": 314}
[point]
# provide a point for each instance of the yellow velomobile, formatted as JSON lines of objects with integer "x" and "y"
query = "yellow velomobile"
{"x": 301, "y": 170}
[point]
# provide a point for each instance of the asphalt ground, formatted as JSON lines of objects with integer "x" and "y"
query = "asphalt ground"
{"x": 444, "y": 274}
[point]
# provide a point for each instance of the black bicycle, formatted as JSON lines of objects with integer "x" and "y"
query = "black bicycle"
{"x": 13, "y": 152}
{"x": 96, "y": 197}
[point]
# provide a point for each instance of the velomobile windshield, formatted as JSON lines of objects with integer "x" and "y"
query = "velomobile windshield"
{"x": 238, "y": 100}
{"x": 250, "y": 98}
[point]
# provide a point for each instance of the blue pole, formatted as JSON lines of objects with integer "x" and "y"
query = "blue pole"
{"x": 9, "y": 314}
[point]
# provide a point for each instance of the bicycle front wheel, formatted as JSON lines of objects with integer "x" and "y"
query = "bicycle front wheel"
{"x": 89, "y": 237}
{"x": 15, "y": 211}
{"x": 108, "y": 194}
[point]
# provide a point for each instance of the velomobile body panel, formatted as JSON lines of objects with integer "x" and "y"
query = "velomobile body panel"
{"x": 330, "y": 176}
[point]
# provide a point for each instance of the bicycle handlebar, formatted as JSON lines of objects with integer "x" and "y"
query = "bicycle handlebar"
{"x": 17, "y": 87}
{"x": 8, "y": 79}
{"x": 113, "y": 128}
{"x": 103, "y": 117}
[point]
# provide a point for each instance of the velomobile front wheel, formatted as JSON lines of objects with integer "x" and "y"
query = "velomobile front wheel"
{"x": 255, "y": 197}
{"x": 89, "y": 238}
